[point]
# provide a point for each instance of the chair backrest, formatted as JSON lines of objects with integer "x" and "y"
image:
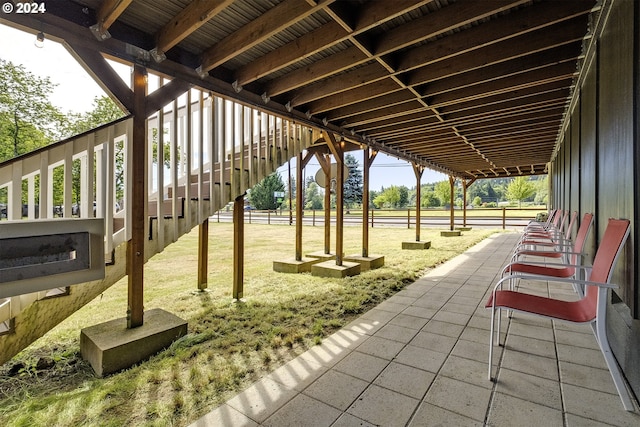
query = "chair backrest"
{"x": 568, "y": 231}
{"x": 606, "y": 257}
{"x": 581, "y": 236}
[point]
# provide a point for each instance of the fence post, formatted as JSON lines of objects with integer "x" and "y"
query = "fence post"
{"x": 504, "y": 218}
{"x": 269, "y": 217}
{"x": 408, "y": 218}
{"x": 371, "y": 218}
{"x": 314, "y": 217}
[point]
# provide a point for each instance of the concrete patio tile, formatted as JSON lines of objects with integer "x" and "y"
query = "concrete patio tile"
{"x": 577, "y": 339}
{"x": 587, "y": 377}
{"x": 454, "y": 307}
{"x": 467, "y": 297}
{"x": 380, "y": 316}
{"x": 530, "y": 345}
{"x": 507, "y": 411}
{"x": 348, "y": 420}
{"x": 430, "y": 301}
{"x": 328, "y": 353}
{"x": 381, "y": 347}
{"x": 581, "y": 356}
{"x": 573, "y": 327}
{"x": 400, "y": 299}
{"x": 417, "y": 311}
{"x": 414, "y": 292}
{"x": 298, "y": 373}
{"x": 396, "y": 333}
{"x": 408, "y": 321}
{"x": 531, "y": 331}
{"x": 471, "y": 371}
{"x": 421, "y": 358}
{"x": 336, "y": 389}
{"x": 405, "y": 379}
{"x": 598, "y": 406}
{"x": 374, "y": 406}
{"x": 443, "y": 328}
{"x": 476, "y": 351}
{"x": 532, "y": 364}
{"x": 364, "y": 326}
{"x": 429, "y": 415}
{"x": 576, "y": 421}
{"x": 225, "y": 415}
{"x": 451, "y": 317}
{"x": 434, "y": 342}
{"x": 392, "y": 307}
{"x": 479, "y": 335}
{"x": 459, "y": 397}
{"x": 530, "y": 388}
{"x": 300, "y": 411}
{"x": 363, "y": 366}
{"x": 262, "y": 399}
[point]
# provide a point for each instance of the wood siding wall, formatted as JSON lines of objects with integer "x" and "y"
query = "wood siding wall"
{"x": 597, "y": 166}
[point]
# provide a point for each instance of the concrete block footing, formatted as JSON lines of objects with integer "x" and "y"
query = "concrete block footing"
{"x": 110, "y": 347}
{"x": 330, "y": 269}
{"x": 416, "y": 245}
{"x": 370, "y": 262}
{"x": 294, "y": 266}
{"x": 463, "y": 228}
{"x": 321, "y": 255}
{"x": 450, "y": 233}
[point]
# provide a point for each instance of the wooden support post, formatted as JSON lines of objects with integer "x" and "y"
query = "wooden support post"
{"x": 337, "y": 150}
{"x": 301, "y": 162}
{"x": 452, "y": 182}
{"x": 418, "y": 170}
{"x": 299, "y": 203}
{"x": 203, "y": 254}
{"x": 238, "y": 248}
{"x": 465, "y": 186}
{"x": 135, "y": 246}
{"x": 369, "y": 157}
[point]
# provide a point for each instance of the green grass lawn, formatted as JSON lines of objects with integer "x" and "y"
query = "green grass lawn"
{"x": 229, "y": 345}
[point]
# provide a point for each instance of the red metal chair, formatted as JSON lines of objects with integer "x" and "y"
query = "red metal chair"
{"x": 591, "y": 308}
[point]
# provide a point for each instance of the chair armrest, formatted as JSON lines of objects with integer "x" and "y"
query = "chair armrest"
{"x": 558, "y": 279}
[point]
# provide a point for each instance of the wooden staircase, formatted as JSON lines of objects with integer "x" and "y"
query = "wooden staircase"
{"x": 205, "y": 172}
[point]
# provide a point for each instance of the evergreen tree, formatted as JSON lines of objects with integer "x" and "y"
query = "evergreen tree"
{"x": 354, "y": 183}
{"x": 262, "y": 195}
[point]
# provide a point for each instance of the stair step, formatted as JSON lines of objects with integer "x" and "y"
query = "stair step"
{"x": 167, "y": 208}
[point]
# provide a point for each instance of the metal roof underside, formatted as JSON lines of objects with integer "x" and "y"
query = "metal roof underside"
{"x": 471, "y": 88}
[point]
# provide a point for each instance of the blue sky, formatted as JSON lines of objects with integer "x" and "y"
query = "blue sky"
{"x": 18, "y": 47}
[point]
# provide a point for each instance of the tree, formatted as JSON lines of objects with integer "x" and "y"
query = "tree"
{"x": 312, "y": 197}
{"x": 520, "y": 189}
{"x": 542, "y": 191}
{"x": 443, "y": 192}
{"x": 388, "y": 198}
{"x": 354, "y": 183}
{"x": 28, "y": 120}
{"x": 261, "y": 196}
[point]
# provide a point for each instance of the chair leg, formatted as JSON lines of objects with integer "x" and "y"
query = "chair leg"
{"x": 603, "y": 343}
{"x": 493, "y": 317}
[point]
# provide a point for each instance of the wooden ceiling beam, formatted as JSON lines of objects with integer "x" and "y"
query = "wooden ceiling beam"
{"x": 559, "y": 88}
{"x": 266, "y": 25}
{"x": 107, "y": 14}
{"x": 323, "y": 68}
{"x": 376, "y": 103}
{"x": 543, "y": 63}
{"x": 549, "y": 74}
{"x": 446, "y": 19}
{"x": 524, "y": 50}
{"x": 516, "y": 23}
{"x": 367, "y": 74}
{"x": 192, "y": 17}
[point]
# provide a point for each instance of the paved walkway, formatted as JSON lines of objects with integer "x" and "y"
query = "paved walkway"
{"x": 420, "y": 359}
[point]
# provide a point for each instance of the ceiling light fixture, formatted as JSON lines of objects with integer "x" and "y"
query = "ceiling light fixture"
{"x": 39, "y": 43}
